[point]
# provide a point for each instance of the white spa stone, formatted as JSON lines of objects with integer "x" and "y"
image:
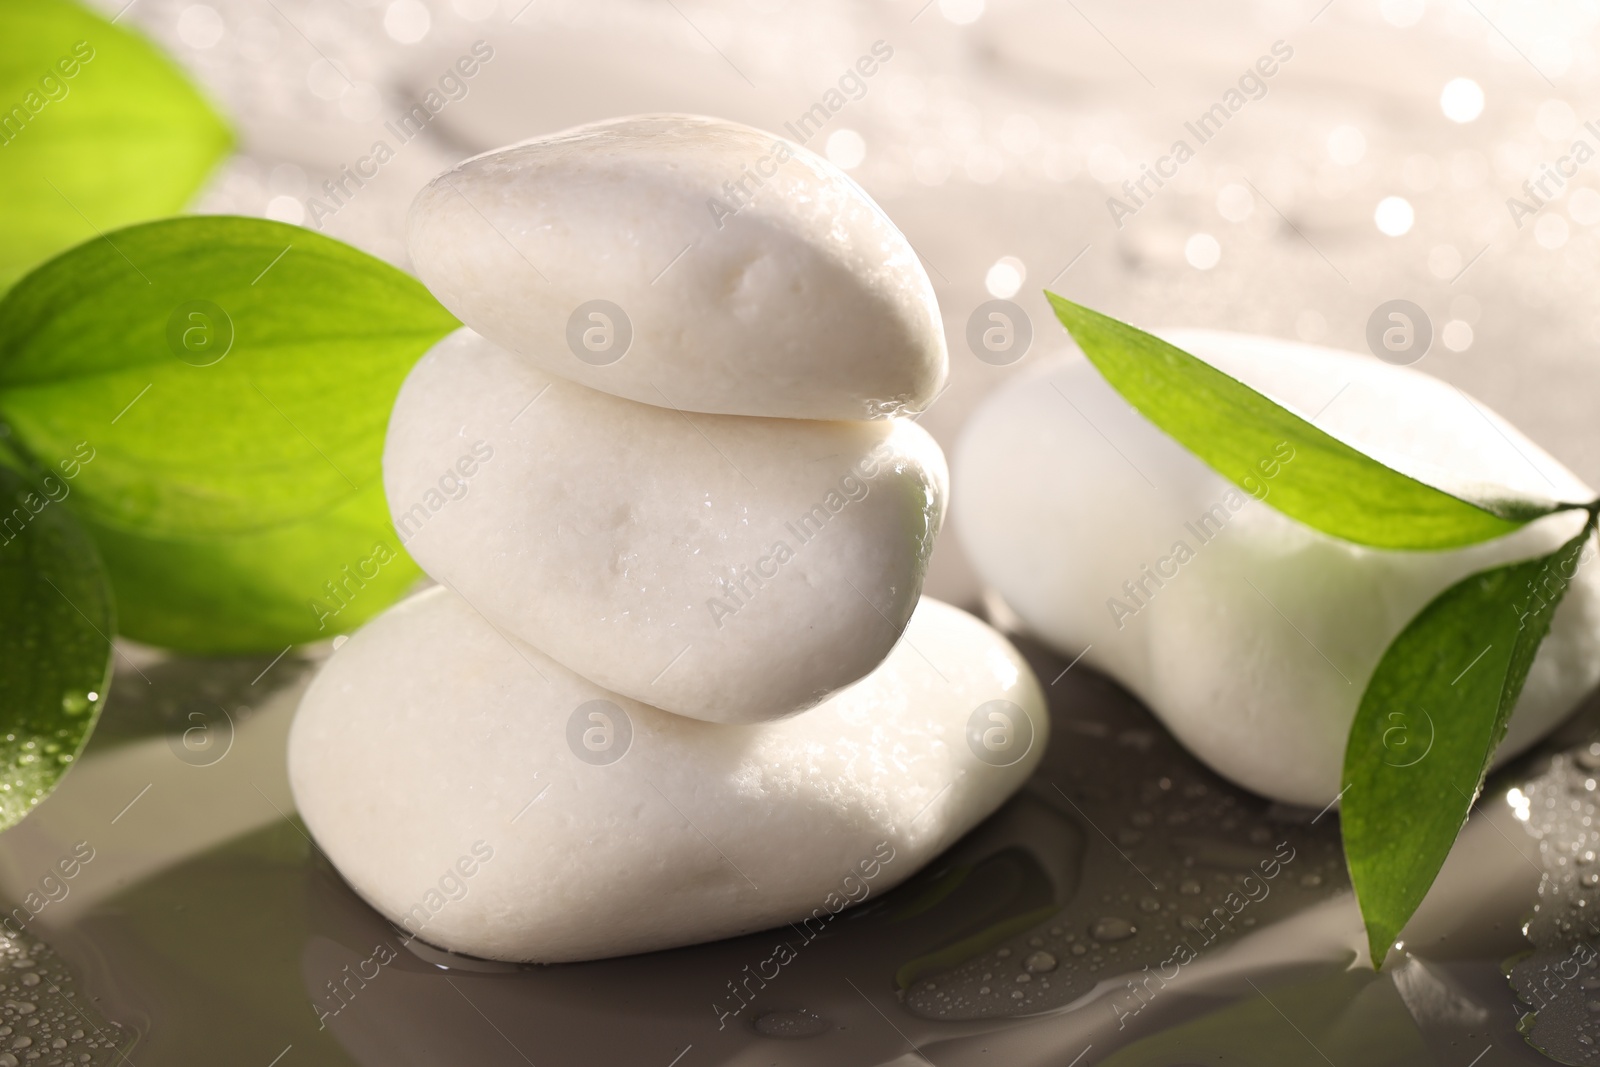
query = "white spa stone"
{"x": 1255, "y": 650}
{"x": 728, "y": 568}
{"x": 435, "y": 762}
{"x": 799, "y": 300}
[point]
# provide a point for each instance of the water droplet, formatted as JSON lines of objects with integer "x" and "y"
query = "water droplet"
{"x": 1149, "y": 904}
{"x": 1311, "y": 881}
{"x": 74, "y": 702}
{"x": 790, "y": 1024}
{"x": 1042, "y": 962}
{"x": 1189, "y": 887}
{"x": 1111, "y": 928}
{"x": 1589, "y": 879}
{"x": 1079, "y": 949}
{"x": 1017, "y": 994}
{"x": 983, "y": 989}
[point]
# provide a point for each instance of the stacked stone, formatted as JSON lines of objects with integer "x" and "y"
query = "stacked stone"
{"x": 1180, "y": 593}
{"x": 665, "y": 480}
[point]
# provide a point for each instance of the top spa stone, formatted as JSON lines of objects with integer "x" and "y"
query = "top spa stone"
{"x": 686, "y": 262}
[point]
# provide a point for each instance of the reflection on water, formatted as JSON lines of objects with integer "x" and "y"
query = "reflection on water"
{"x": 1127, "y": 907}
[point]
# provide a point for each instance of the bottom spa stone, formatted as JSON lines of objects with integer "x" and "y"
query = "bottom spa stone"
{"x": 494, "y": 803}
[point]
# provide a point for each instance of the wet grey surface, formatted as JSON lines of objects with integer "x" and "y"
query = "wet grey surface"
{"x": 231, "y": 939}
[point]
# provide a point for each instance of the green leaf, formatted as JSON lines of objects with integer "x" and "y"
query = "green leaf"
{"x": 277, "y": 589}
{"x": 230, "y": 381}
{"x": 1329, "y": 485}
{"x": 55, "y": 641}
{"x": 97, "y": 130}
{"x": 1428, "y": 724}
